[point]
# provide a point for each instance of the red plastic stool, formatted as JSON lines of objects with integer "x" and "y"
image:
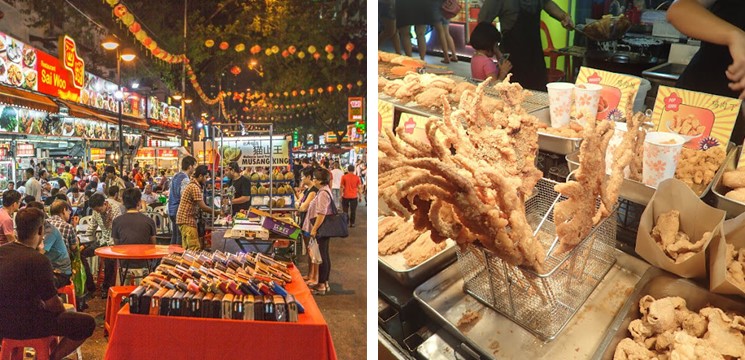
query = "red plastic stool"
{"x": 13, "y": 349}
{"x": 114, "y": 303}
{"x": 69, "y": 291}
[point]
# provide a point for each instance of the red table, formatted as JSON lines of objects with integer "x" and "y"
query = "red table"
{"x": 135, "y": 252}
{"x": 165, "y": 337}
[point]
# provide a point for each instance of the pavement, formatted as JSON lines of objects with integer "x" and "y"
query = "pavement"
{"x": 344, "y": 307}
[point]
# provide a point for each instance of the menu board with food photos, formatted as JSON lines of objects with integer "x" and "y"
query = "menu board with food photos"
{"x": 619, "y": 91}
{"x": 162, "y": 114}
{"x": 17, "y": 63}
{"x": 99, "y": 93}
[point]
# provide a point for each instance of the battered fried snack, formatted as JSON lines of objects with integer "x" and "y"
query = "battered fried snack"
{"x": 382, "y": 83}
{"x": 622, "y": 157}
{"x": 689, "y": 125}
{"x": 737, "y": 194}
{"x": 388, "y": 225}
{"x": 386, "y": 56}
{"x": 697, "y": 168}
{"x": 736, "y": 265}
{"x": 431, "y": 97}
{"x": 422, "y": 249}
{"x": 458, "y": 91}
{"x": 734, "y": 179}
{"x": 469, "y": 187}
{"x": 398, "y": 240}
{"x": 572, "y": 131}
{"x": 636, "y": 166}
{"x": 673, "y": 242}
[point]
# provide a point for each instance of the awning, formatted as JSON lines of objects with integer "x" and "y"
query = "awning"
{"x": 131, "y": 121}
{"x": 19, "y": 97}
{"x": 85, "y": 112}
{"x": 80, "y": 111}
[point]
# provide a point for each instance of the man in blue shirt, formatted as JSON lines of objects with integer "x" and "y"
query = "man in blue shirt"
{"x": 55, "y": 250}
{"x": 178, "y": 183}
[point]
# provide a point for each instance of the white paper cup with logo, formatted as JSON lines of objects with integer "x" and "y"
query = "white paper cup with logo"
{"x": 560, "y": 102}
{"x": 661, "y": 154}
{"x": 586, "y": 99}
{"x": 615, "y": 140}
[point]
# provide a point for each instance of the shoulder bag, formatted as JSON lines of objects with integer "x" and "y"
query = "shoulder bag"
{"x": 335, "y": 224}
{"x": 450, "y": 8}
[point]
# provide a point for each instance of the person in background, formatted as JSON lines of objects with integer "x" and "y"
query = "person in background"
{"x": 42, "y": 165}
{"x": 55, "y": 250}
{"x": 29, "y": 305}
{"x": 27, "y": 200}
{"x": 148, "y": 196}
{"x": 317, "y": 211}
{"x": 85, "y": 209}
{"x": 11, "y": 186}
{"x": 188, "y": 209}
{"x": 133, "y": 227}
{"x": 104, "y": 213}
{"x": 336, "y": 176}
{"x": 92, "y": 185}
{"x": 387, "y": 15}
{"x": 79, "y": 174}
{"x": 520, "y": 22}
{"x": 351, "y": 187}
{"x": 163, "y": 182}
{"x": 11, "y": 204}
{"x": 485, "y": 40}
{"x": 33, "y": 186}
{"x": 306, "y": 193}
{"x": 137, "y": 176}
{"x": 67, "y": 176}
{"x": 52, "y": 196}
{"x": 91, "y": 169}
{"x": 112, "y": 179}
{"x": 115, "y": 195}
{"x": 242, "y": 187}
{"x": 75, "y": 197}
{"x": 178, "y": 182}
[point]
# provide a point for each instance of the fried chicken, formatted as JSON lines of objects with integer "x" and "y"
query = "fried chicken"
{"x": 735, "y": 266}
{"x": 398, "y": 240}
{"x": 697, "y": 168}
{"x": 737, "y": 195}
{"x": 458, "y": 91}
{"x": 666, "y": 228}
{"x": 422, "y": 249}
{"x": 572, "y": 131}
{"x": 431, "y": 97}
{"x": 628, "y": 349}
{"x": 734, "y": 179}
{"x": 721, "y": 336}
{"x": 388, "y": 225}
{"x": 673, "y": 242}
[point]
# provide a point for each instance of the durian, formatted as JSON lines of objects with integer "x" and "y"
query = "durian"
{"x": 255, "y": 177}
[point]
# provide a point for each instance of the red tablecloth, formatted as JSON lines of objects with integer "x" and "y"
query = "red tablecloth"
{"x": 163, "y": 337}
{"x": 137, "y": 251}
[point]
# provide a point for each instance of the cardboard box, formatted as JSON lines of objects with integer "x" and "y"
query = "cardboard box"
{"x": 696, "y": 218}
{"x": 279, "y": 226}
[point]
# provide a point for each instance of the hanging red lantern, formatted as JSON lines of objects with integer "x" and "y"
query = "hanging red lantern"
{"x": 285, "y": 53}
{"x": 320, "y": 90}
{"x": 147, "y": 41}
{"x": 245, "y": 109}
{"x": 311, "y": 91}
{"x": 135, "y": 27}
{"x": 349, "y": 86}
{"x": 330, "y": 88}
{"x": 235, "y": 70}
{"x": 345, "y": 56}
{"x": 291, "y": 50}
{"x": 329, "y": 48}
{"x": 120, "y": 10}
{"x": 255, "y": 49}
{"x": 302, "y": 92}
{"x": 316, "y": 56}
{"x": 294, "y": 93}
{"x": 224, "y": 45}
{"x": 349, "y": 47}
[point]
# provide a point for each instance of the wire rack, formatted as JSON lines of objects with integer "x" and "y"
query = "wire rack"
{"x": 542, "y": 303}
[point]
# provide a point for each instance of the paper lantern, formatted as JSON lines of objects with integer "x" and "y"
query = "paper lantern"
{"x": 294, "y": 93}
{"x": 359, "y": 82}
{"x": 112, "y": 3}
{"x": 255, "y": 49}
{"x": 349, "y": 47}
{"x": 271, "y": 95}
{"x": 235, "y": 70}
{"x": 345, "y": 56}
{"x": 224, "y": 45}
{"x": 286, "y": 94}
{"x": 128, "y": 19}
{"x": 120, "y": 10}
{"x": 140, "y": 35}
{"x": 153, "y": 45}
{"x": 285, "y": 53}
{"x": 245, "y": 109}
{"x": 147, "y": 41}
{"x": 316, "y": 56}
{"x": 330, "y": 56}
{"x": 349, "y": 86}
{"x": 292, "y": 50}
{"x": 268, "y": 52}
{"x": 339, "y": 87}
{"x": 302, "y": 92}
{"x": 240, "y": 47}
{"x": 320, "y": 90}
{"x": 311, "y": 49}
{"x": 275, "y": 49}
{"x": 329, "y": 48}
{"x": 330, "y": 88}
{"x": 135, "y": 27}
{"x": 311, "y": 91}
{"x": 360, "y": 56}
{"x": 301, "y": 55}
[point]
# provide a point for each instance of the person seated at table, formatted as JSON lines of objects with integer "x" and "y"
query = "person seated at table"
{"x": 55, "y": 249}
{"x": 59, "y": 196}
{"x": 84, "y": 208}
{"x": 61, "y": 212}
{"x": 148, "y": 196}
{"x": 115, "y": 193}
{"x": 26, "y": 200}
{"x": 133, "y": 227}
{"x": 11, "y": 204}
{"x": 29, "y": 305}
{"x": 50, "y": 199}
{"x": 74, "y": 196}
{"x": 104, "y": 212}
{"x": 163, "y": 182}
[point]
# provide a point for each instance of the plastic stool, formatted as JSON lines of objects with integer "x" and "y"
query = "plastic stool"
{"x": 114, "y": 303}
{"x": 78, "y": 351}
{"x": 13, "y": 349}
{"x": 69, "y": 291}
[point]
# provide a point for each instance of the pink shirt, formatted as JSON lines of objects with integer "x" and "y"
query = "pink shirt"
{"x": 6, "y": 226}
{"x": 321, "y": 204}
{"x": 482, "y": 67}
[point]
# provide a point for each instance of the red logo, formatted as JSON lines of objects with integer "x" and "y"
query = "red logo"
{"x": 672, "y": 102}
{"x": 594, "y": 78}
{"x": 409, "y": 126}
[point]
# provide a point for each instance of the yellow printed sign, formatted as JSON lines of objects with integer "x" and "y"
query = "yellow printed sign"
{"x": 704, "y": 120}
{"x": 385, "y": 116}
{"x": 619, "y": 91}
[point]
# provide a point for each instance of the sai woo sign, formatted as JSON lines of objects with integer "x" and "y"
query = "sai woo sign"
{"x": 72, "y": 61}
{"x": 256, "y": 151}
{"x": 54, "y": 79}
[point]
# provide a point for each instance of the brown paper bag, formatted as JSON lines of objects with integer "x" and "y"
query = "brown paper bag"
{"x": 696, "y": 218}
{"x": 733, "y": 232}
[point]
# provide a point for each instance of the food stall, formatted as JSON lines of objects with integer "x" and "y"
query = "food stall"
{"x": 507, "y": 261}
{"x": 159, "y": 158}
{"x": 7, "y": 167}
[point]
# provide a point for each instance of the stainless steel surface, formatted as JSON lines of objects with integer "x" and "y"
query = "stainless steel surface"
{"x": 660, "y": 284}
{"x": 542, "y": 302}
{"x": 435, "y": 348}
{"x": 495, "y": 336}
{"x": 552, "y": 143}
{"x": 395, "y": 266}
{"x": 639, "y": 193}
{"x": 388, "y": 349}
{"x": 666, "y": 71}
{"x": 732, "y": 207}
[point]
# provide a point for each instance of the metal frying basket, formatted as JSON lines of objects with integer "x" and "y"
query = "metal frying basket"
{"x": 541, "y": 303}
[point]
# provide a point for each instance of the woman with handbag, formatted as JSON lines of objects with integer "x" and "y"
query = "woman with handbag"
{"x": 319, "y": 208}
{"x": 306, "y": 194}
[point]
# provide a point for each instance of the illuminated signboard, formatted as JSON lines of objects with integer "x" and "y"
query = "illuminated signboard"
{"x": 17, "y": 63}
{"x": 355, "y": 109}
{"x": 25, "y": 150}
{"x": 167, "y": 153}
{"x": 98, "y": 154}
{"x": 72, "y": 61}
{"x": 54, "y": 79}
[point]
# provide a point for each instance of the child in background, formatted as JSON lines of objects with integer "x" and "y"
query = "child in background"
{"x": 485, "y": 40}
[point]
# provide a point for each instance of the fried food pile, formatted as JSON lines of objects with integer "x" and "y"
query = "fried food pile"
{"x": 736, "y": 265}
{"x": 669, "y": 330}
{"x": 673, "y": 242}
{"x": 427, "y": 90}
{"x": 735, "y": 180}
{"x": 573, "y": 130}
{"x": 697, "y": 168}
{"x": 689, "y": 125}
{"x": 396, "y": 235}
{"x": 469, "y": 185}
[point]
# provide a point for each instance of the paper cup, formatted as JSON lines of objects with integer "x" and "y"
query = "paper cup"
{"x": 586, "y": 99}
{"x": 560, "y": 103}
{"x": 661, "y": 153}
{"x": 618, "y": 134}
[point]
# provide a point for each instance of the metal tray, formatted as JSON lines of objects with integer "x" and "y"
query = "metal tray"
{"x": 660, "y": 284}
{"x": 639, "y": 193}
{"x": 494, "y": 336}
{"x": 395, "y": 266}
{"x": 732, "y": 207}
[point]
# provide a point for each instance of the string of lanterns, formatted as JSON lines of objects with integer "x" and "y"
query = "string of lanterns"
{"x": 292, "y": 51}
